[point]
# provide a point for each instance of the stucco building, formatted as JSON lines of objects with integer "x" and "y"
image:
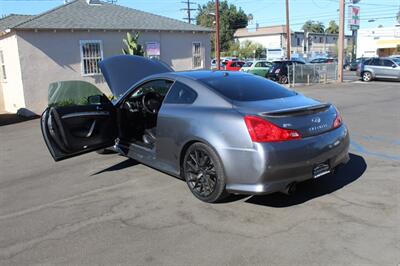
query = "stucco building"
{"x": 383, "y": 41}
{"x": 67, "y": 42}
{"x": 306, "y": 44}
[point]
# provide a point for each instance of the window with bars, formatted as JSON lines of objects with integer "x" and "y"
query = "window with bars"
{"x": 3, "y": 75}
{"x": 91, "y": 55}
{"x": 196, "y": 53}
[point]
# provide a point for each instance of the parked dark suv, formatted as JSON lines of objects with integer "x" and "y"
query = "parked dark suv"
{"x": 279, "y": 70}
{"x": 379, "y": 68}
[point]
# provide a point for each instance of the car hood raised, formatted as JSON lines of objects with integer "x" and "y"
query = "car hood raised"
{"x": 122, "y": 71}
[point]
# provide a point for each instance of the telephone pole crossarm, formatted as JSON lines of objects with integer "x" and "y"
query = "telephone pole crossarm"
{"x": 188, "y": 10}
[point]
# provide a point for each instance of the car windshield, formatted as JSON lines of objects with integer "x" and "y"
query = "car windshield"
{"x": 248, "y": 64}
{"x": 396, "y": 60}
{"x": 242, "y": 87}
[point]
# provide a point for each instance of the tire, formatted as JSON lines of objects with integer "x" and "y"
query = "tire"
{"x": 203, "y": 172}
{"x": 283, "y": 79}
{"x": 315, "y": 79}
{"x": 366, "y": 76}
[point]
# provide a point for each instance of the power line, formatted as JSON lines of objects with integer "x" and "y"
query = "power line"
{"x": 188, "y": 10}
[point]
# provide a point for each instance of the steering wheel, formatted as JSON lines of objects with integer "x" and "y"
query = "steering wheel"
{"x": 151, "y": 102}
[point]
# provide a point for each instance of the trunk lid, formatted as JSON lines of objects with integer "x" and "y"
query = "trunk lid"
{"x": 305, "y": 115}
{"x": 122, "y": 71}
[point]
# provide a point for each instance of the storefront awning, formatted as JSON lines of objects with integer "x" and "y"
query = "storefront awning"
{"x": 388, "y": 43}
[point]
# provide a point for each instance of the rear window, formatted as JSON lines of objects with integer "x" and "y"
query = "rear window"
{"x": 248, "y": 64}
{"x": 243, "y": 87}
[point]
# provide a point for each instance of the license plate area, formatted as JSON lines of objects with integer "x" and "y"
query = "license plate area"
{"x": 321, "y": 169}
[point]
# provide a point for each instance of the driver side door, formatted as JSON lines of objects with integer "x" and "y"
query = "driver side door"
{"x": 79, "y": 119}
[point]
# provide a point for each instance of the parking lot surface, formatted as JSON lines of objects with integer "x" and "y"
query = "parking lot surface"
{"x": 107, "y": 209}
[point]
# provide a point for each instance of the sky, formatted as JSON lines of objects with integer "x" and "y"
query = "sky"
{"x": 265, "y": 12}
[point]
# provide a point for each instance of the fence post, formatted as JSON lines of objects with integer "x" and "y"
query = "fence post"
{"x": 308, "y": 79}
{"x": 294, "y": 74}
{"x": 336, "y": 70}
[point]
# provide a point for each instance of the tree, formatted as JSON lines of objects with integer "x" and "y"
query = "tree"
{"x": 314, "y": 26}
{"x": 132, "y": 46}
{"x": 231, "y": 18}
{"x": 247, "y": 49}
{"x": 332, "y": 28}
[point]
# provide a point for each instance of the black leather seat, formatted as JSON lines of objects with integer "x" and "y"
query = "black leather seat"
{"x": 149, "y": 136}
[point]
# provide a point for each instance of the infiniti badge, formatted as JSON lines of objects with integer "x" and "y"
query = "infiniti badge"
{"x": 316, "y": 119}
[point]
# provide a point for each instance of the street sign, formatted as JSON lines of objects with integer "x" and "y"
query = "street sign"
{"x": 354, "y": 17}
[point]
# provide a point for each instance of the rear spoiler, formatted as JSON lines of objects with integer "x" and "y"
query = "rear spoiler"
{"x": 298, "y": 111}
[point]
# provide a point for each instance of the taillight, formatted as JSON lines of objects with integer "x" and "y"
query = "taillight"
{"x": 261, "y": 130}
{"x": 338, "y": 121}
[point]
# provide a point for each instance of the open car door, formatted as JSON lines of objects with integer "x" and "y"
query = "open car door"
{"x": 79, "y": 119}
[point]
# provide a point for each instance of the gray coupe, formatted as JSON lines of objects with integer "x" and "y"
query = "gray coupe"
{"x": 222, "y": 132}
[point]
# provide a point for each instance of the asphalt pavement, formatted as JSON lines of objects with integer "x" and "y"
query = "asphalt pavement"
{"x": 107, "y": 209}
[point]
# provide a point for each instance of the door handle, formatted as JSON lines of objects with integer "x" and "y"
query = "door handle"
{"x": 89, "y": 134}
{"x": 99, "y": 108}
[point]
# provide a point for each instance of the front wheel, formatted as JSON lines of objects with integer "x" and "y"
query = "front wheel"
{"x": 367, "y": 76}
{"x": 204, "y": 173}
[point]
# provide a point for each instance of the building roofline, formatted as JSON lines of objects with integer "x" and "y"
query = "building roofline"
{"x": 45, "y": 13}
{"x": 20, "y": 26}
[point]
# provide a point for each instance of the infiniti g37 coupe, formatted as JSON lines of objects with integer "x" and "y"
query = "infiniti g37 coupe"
{"x": 222, "y": 132}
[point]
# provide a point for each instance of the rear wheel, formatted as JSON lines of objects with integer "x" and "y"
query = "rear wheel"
{"x": 283, "y": 79}
{"x": 203, "y": 173}
{"x": 366, "y": 76}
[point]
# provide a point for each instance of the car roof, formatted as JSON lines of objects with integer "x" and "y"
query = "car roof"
{"x": 201, "y": 74}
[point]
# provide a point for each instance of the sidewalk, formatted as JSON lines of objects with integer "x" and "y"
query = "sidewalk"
{"x": 7, "y": 119}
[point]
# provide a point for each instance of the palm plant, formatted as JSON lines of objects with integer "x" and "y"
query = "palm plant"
{"x": 132, "y": 45}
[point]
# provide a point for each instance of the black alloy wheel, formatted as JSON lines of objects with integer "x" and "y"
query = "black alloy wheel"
{"x": 283, "y": 79}
{"x": 203, "y": 173}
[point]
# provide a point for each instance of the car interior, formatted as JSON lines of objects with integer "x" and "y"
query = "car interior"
{"x": 138, "y": 114}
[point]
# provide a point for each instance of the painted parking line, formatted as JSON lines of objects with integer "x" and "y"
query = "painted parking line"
{"x": 377, "y": 139}
{"x": 358, "y": 148}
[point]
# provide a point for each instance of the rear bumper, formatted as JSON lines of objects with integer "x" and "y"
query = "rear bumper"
{"x": 271, "y": 167}
{"x": 273, "y": 76}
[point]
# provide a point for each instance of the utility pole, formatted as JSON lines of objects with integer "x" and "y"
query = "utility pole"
{"x": 354, "y": 42}
{"x": 217, "y": 46}
{"x": 341, "y": 41}
{"x": 287, "y": 31}
{"x": 188, "y": 10}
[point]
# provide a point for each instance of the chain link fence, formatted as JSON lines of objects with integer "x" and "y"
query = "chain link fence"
{"x": 312, "y": 73}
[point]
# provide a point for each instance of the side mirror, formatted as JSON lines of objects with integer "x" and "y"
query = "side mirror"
{"x": 394, "y": 66}
{"x": 95, "y": 99}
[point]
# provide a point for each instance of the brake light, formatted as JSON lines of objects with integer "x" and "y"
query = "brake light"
{"x": 261, "y": 130}
{"x": 277, "y": 71}
{"x": 338, "y": 120}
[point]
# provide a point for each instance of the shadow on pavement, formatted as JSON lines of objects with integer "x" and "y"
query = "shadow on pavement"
{"x": 314, "y": 188}
{"x": 8, "y": 119}
{"x": 118, "y": 166}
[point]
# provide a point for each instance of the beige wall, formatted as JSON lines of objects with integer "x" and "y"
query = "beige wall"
{"x": 48, "y": 56}
{"x": 11, "y": 89}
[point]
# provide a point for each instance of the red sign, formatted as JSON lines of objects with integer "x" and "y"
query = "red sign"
{"x": 354, "y": 17}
